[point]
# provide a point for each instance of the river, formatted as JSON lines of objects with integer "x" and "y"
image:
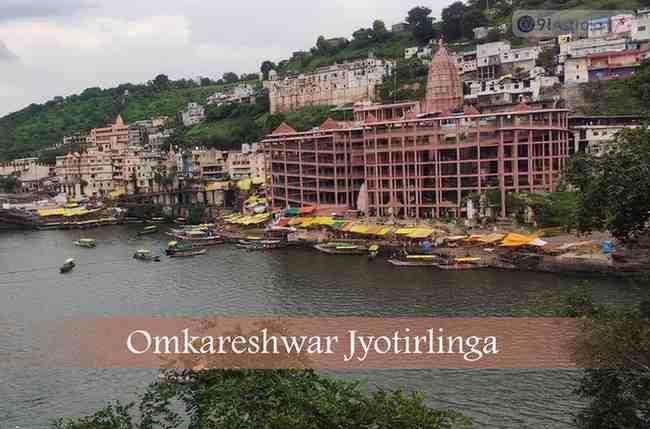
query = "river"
{"x": 231, "y": 281}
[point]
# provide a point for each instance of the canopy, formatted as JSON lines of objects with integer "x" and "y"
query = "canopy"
{"x": 76, "y": 211}
{"x": 306, "y": 210}
{"x": 373, "y": 248}
{"x": 517, "y": 240}
{"x": 487, "y": 239}
{"x": 244, "y": 184}
{"x": 421, "y": 257}
{"x": 282, "y": 222}
{"x": 405, "y": 231}
{"x": 359, "y": 229}
{"x": 292, "y": 211}
{"x": 420, "y": 233}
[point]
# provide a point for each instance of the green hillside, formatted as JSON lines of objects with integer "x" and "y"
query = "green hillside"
{"x": 38, "y": 126}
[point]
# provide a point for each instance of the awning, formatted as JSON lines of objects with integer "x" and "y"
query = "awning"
{"x": 282, "y": 222}
{"x": 306, "y": 210}
{"x": 292, "y": 211}
{"x": 359, "y": 229}
{"x": 244, "y": 184}
{"x": 405, "y": 231}
{"x": 421, "y": 233}
{"x": 517, "y": 240}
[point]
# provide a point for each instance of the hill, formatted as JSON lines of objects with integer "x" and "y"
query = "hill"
{"x": 38, "y": 126}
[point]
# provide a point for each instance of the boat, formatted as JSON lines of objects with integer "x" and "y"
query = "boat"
{"x": 341, "y": 249}
{"x": 151, "y": 229}
{"x": 86, "y": 242}
{"x": 198, "y": 237}
{"x": 458, "y": 264}
{"x": 67, "y": 266}
{"x": 181, "y": 250}
{"x": 373, "y": 251}
{"x": 262, "y": 244}
{"x": 158, "y": 220}
{"x": 415, "y": 260}
{"x": 145, "y": 255}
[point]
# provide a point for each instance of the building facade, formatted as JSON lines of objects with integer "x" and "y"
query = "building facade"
{"x": 339, "y": 84}
{"x": 422, "y": 164}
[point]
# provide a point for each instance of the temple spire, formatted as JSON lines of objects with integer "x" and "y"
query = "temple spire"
{"x": 444, "y": 88}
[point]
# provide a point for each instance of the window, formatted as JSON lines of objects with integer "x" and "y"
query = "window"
{"x": 641, "y": 28}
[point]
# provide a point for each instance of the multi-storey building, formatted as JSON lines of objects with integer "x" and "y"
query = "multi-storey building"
{"x": 598, "y": 134}
{"x": 422, "y": 164}
{"x": 30, "y": 172}
{"x": 208, "y": 163}
{"x": 338, "y": 84}
{"x": 194, "y": 114}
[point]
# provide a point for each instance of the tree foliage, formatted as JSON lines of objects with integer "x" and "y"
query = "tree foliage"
{"x": 614, "y": 189}
{"x": 421, "y": 24}
{"x": 280, "y": 399}
{"x": 614, "y": 345}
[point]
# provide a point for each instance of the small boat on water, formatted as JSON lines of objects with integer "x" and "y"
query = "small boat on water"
{"x": 157, "y": 220}
{"x": 415, "y": 260}
{"x": 86, "y": 242}
{"x": 151, "y": 229}
{"x": 341, "y": 249}
{"x": 373, "y": 251}
{"x": 262, "y": 244}
{"x": 198, "y": 237}
{"x": 182, "y": 250}
{"x": 145, "y": 255}
{"x": 458, "y": 264}
{"x": 67, "y": 266}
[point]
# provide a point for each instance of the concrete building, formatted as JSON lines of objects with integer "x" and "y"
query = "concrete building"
{"x": 421, "y": 165}
{"x": 576, "y": 70}
{"x": 247, "y": 163}
{"x": 400, "y": 27}
{"x": 598, "y": 27}
{"x": 31, "y": 174}
{"x": 640, "y": 26}
{"x": 334, "y": 85}
{"x": 194, "y": 114}
{"x": 208, "y": 163}
{"x": 598, "y": 134}
{"x": 584, "y": 47}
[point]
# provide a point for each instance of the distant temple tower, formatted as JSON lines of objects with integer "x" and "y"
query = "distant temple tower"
{"x": 444, "y": 88}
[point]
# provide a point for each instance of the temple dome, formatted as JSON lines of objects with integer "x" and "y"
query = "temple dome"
{"x": 444, "y": 87}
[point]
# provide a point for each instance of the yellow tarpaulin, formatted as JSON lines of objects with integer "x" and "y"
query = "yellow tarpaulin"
{"x": 244, "y": 184}
{"x": 420, "y": 233}
{"x": 516, "y": 240}
{"x": 405, "y": 231}
{"x": 51, "y": 212}
{"x": 78, "y": 211}
{"x": 296, "y": 221}
{"x": 359, "y": 229}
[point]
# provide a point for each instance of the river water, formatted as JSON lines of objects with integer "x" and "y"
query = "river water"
{"x": 231, "y": 281}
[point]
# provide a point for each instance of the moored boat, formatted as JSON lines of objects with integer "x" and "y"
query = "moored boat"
{"x": 151, "y": 229}
{"x": 458, "y": 264}
{"x": 180, "y": 250}
{"x": 86, "y": 242}
{"x": 67, "y": 266}
{"x": 415, "y": 260}
{"x": 341, "y": 249}
{"x": 262, "y": 244}
{"x": 373, "y": 251}
{"x": 198, "y": 237}
{"x": 145, "y": 255}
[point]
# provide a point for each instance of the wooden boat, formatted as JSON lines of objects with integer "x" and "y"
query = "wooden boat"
{"x": 145, "y": 255}
{"x": 415, "y": 261}
{"x": 199, "y": 238}
{"x": 188, "y": 254}
{"x": 262, "y": 244}
{"x": 181, "y": 250}
{"x": 157, "y": 220}
{"x": 67, "y": 266}
{"x": 458, "y": 264}
{"x": 86, "y": 242}
{"x": 373, "y": 251}
{"x": 341, "y": 249}
{"x": 151, "y": 229}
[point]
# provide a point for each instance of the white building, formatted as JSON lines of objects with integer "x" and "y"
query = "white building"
{"x": 584, "y": 47}
{"x": 194, "y": 114}
{"x": 576, "y": 70}
{"x": 641, "y": 25}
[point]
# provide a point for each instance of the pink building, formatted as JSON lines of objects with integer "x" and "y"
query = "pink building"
{"x": 420, "y": 164}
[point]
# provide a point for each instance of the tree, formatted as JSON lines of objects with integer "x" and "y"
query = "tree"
{"x": 546, "y": 58}
{"x": 266, "y": 67}
{"x": 161, "y": 82}
{"x": 379, "y": 30}
{"x": 9, "y": 184}
{"x": 613, "y": 344}
{"x": 277, "y": 399}
{"x": 614, "y": 188}
{"x": 421, "y": 24}
{"x": 230, "y": 77}
{"x": 322, "y": 47}
{"x": 453, "y": 25}
{"x": 471, "y": 19}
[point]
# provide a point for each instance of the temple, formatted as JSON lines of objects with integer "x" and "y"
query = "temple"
{"x": 419, "y": 160}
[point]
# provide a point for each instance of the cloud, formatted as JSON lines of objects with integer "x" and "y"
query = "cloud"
{"x": 20, "y": 9}
{"x": 6, "y": 54}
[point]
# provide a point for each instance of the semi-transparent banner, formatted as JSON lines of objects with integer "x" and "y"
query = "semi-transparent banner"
{"x": 302, "y": 342}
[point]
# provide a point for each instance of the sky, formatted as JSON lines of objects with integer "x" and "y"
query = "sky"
{"x": 54, "y": 48}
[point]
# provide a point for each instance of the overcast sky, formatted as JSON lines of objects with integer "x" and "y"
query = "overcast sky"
{"x": 60, "y": 47}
